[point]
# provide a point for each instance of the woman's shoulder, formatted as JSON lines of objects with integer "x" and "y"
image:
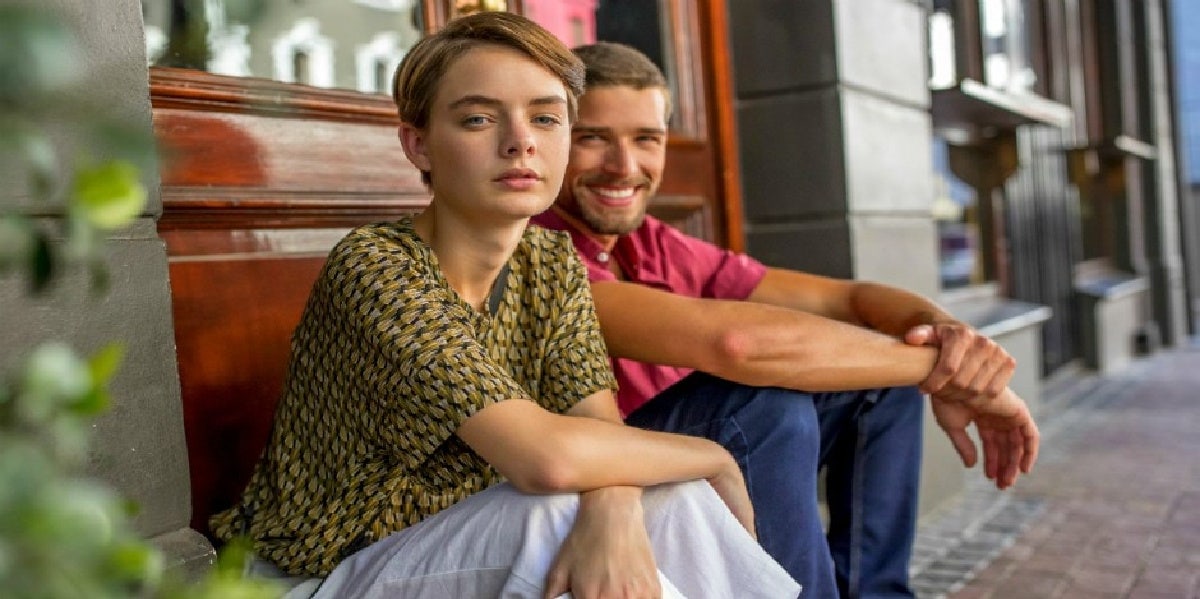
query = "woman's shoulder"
{"x": 548, "y": 243}
{"x": 394, "y": 239}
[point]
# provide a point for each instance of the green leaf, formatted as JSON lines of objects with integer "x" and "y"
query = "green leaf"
{"x": 54, "y": 374}
{"x": 104, "y": 363}
{"x": 110, "y": 195}
{"x": 98, "y": 277}
{"x": 38, "y": 54}
{"x": 92, "y": 403}
{"x": 122, "y": 141}
{"x": 33, "y": 147}
{"x": 135, "y": 561}
{"x": 16, "y": 240}
{"x": 41, "y": 262}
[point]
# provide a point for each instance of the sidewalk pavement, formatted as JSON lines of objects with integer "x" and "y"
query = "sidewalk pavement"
{"x": 1112, "y": 508}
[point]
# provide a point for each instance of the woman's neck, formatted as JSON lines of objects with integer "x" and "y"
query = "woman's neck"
{"x": 470, "y": 254}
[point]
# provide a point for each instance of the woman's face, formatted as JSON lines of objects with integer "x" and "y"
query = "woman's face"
{"x": 498, "y": 137}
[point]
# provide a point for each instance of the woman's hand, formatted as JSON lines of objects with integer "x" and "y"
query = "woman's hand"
{"x": 607, "y": 553}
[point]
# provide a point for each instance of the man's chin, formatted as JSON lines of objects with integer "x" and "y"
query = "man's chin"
{"x": 611, "y": 227}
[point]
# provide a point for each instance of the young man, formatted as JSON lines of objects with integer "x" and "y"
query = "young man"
{"x": 793, "y": 371}
{"x": 447, "y": 427}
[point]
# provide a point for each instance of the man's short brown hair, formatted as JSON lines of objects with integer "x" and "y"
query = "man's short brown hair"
{"x": 422, "y": 68}
{"x": 613, "y": 64}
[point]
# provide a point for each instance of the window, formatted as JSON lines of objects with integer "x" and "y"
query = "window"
{"x": 942, "y": 71}
{"x": 958, "y": 228}
{"x": 320, "y": 43}
{"x": 984, "y": 88}
{"x": 377, "y": 60}
{"x": 1005, "y": 45}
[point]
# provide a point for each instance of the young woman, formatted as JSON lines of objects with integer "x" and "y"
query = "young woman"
{"x": 442, "y": 355}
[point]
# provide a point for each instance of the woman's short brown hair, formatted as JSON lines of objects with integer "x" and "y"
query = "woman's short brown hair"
{"x": 422, "y": 69}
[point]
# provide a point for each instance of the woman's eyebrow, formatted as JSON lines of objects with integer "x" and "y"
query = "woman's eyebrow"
{"x": 481, "y": 100}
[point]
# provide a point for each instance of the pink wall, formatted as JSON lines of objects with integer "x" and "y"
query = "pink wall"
{"x": 573, "y": 21}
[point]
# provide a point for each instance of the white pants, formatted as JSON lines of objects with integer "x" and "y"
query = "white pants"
{"x": 501, "y": 543}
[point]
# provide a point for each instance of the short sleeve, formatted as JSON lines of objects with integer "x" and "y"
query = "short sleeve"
{"x": 417, "y": 359}
{"x": 715, "y": 271}
{"x": 577, "y": 363}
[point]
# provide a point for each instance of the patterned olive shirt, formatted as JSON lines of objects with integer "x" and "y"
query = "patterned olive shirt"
{"x": 386, "y": 363}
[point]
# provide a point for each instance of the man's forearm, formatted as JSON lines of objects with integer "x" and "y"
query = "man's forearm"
{"x": 892, "y": 310}
{"x": 801, "y": 351}
{"x": 754, "y": 343}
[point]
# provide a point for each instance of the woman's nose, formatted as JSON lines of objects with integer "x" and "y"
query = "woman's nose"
{"x": 519, "y": 142}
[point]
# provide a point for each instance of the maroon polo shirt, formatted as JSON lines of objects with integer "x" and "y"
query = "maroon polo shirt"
{"x": 660, "y": 256}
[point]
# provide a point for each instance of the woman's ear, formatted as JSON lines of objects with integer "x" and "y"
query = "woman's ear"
{"x": 413, "y": 140}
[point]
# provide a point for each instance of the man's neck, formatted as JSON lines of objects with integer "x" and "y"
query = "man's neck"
{"x": 606, "y": 241}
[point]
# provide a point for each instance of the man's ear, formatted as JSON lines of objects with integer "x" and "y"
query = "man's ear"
{"x": 413, "y": 140}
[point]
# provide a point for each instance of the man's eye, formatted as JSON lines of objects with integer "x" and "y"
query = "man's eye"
{"x": 548, "y": 120}
{"x": 588, "y": 137}
{"x": 650, "y": 140}
{"x": 475, "y": 120}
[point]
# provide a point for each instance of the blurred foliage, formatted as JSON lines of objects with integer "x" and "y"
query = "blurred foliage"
{"x": 94, "y": 185}
{"x": 62, "y": 535}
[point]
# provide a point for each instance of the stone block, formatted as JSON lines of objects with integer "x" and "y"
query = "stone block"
{"x": 781, "y": 45}
{"x": 791, "y": 153}
{"x": 817, "y": 246}
{"x": 888, "y": 155}
{"x": 881, "y": 47}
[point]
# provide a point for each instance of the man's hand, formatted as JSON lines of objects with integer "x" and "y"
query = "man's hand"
{"x": 969, "y": 365}
{"x": 607, "y": 553}
{"x": 731, "y": 488}
{"x": 1007, "y": 431}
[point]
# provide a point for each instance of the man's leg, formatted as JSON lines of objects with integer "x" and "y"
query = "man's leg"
{"x": 871, "y": 449}
{"x": 773, "y": 435}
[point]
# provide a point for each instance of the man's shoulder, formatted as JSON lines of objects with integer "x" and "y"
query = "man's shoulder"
{"x": 653, "y": 227}
{"x": 549, "y": 220}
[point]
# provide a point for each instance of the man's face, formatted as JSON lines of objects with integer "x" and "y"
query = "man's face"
{"x": 618, "y": 150}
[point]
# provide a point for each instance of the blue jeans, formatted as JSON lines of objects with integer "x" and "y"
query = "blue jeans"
{"x": 868, "y": 441}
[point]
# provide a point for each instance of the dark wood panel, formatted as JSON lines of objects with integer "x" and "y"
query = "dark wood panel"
{"x": 233, "y": 325}
{"x": 205, "y": 149}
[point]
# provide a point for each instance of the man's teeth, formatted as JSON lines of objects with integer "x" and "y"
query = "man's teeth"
{"x": 616, "y": 194}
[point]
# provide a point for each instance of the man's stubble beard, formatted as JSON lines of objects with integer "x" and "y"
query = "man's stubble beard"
{"x": 603, "y": 224}
{"x": 611, "y": 226}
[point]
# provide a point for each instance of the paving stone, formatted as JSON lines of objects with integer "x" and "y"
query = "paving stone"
{"x": 972, "y": 592}
{"x": 1074, "y": 592}
{"x": 1112, "y": 509}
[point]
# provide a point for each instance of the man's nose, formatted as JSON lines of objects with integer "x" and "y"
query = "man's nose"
{"x": 621, "y": 160}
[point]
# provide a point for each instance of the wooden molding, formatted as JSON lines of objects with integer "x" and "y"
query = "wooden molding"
{"x": 190, "y": 89}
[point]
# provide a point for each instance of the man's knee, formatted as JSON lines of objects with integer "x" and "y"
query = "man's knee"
{"x": 904, "y": 404}
{"x": 776, "y": 412}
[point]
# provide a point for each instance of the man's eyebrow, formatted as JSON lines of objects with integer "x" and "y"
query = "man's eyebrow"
{"x": 480, "y": 100}
{"x": 598, "y": 129}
